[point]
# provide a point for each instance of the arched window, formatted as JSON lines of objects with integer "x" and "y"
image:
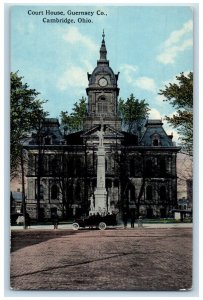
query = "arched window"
{"x": 149, "y": 192}
{"x": 54, "y": 191}
{"x": 162, "y": 193}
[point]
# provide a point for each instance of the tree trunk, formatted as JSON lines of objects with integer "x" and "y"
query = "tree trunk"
{"x": 23, "y": 190}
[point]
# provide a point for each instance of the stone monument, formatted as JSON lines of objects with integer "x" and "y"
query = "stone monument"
{"x": 100, "y": 194}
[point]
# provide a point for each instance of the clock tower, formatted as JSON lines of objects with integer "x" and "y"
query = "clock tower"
{"x": 102, "y": 94}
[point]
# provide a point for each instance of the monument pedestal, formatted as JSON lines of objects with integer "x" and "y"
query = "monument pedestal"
{"x": 100, "y": 201}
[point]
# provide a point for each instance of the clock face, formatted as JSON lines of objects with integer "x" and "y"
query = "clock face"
{"x": 102, "y": 82}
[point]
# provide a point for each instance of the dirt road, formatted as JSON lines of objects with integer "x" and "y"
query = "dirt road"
{"x": 111, "y": 260}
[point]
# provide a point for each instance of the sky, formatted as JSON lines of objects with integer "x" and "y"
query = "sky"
{"x": 148, "y": 45}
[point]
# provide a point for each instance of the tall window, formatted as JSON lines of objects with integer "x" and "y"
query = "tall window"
{"x": 54, "y": 165}
{"x": 102, "y": 106}
{"x": 148, "y": 168}
{"x": 78, "y": 167}
{"x": 162, "y": 193}
{"x": 70, "y": 192}
{"x": 77, "y": 191}
{"x": 162, "y": 167}
{"x": 132, "y": 167}
{"x": 70, "y": 167}
{"x": 132, "y": 193}
{"x": 41, "y": 191}
{"x": 54, "y": 191}
{"x": 149, "y": 192}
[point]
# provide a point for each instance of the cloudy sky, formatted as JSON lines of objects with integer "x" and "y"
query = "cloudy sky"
{"x": 148, "y": 45}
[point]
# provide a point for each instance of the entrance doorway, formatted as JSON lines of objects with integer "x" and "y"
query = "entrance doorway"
{"x": 162, "y": 212}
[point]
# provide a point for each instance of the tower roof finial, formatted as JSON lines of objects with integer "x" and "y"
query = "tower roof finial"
{"x": 103, "y": 51}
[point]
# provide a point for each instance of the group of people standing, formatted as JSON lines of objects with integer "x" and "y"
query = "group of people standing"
{"x": 126, "y": 217}
{"x": 132, "y": 219}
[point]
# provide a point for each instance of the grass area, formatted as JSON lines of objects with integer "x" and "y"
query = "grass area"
{"x": 166, "y": 220}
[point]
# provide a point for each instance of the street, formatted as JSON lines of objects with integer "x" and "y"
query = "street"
{"x": 150, "y": 259}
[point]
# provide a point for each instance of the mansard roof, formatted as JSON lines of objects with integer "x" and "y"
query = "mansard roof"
{"x": 50, "y": 132}
{"x": 102, "y": 69}
{"x": 154, "y": 131}
{"x": 130, "y": 139}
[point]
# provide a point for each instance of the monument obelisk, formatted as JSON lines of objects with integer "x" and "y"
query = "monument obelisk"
{"x": 100, "y": 194}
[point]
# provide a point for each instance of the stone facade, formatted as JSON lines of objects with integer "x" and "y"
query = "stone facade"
{"x": 140, "y": 172}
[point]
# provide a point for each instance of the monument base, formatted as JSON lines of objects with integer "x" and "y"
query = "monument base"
{"x": 100, "y": 202}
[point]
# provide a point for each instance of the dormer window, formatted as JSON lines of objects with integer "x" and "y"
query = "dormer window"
{"x": 155, "y": 140}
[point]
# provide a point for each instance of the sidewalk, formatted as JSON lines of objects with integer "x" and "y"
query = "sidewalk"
{"x": 145, "y": 225}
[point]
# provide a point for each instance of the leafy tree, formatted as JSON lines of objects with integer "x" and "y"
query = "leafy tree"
{"x": 74, "y": 121}
{"x": 25, "y": 111}
{"x": 180, "y": 96}
{"x": 133, "y": 113}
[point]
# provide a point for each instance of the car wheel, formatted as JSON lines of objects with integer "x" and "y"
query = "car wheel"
{"x": 75, "y": 226}
{"x": 102, "y": 226}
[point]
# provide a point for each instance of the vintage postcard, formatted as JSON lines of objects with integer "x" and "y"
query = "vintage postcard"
{"x": 101, "y": 147}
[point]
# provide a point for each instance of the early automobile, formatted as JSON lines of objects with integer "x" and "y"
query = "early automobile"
{"x": 95, "y": 221}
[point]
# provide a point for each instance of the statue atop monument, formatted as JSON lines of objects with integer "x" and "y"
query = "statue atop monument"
{"x": 101, "y": 134}
{"x": 101, "y": 137}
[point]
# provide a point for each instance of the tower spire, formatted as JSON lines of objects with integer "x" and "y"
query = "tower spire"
{"x": 103, "y": 51}
{"x": 103, "y": 35}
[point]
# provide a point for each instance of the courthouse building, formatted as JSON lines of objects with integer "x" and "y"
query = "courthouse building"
{"x": 140, "y": 169}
